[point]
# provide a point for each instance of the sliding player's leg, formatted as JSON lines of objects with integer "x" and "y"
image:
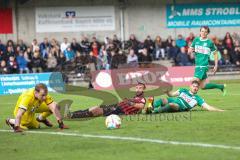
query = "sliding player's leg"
{"x": 103, "y": 110}
{"x": 174, "y": 105}
{"x": 90, "y": 112}
{"x": 162, "y": 102}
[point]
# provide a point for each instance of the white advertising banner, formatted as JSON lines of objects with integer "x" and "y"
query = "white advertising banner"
{"x": 72, "y": 19}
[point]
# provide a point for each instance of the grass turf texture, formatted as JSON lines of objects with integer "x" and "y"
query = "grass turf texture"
{"x": 198, "y": 126}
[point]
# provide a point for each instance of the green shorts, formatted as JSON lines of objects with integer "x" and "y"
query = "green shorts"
{"x": 182, "y": 107}
{"x": 177, "y": 101}
{"x": 158, "y": 102}
{"x": 201, "y": 72}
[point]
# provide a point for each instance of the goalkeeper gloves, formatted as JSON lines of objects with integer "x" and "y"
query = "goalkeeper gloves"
{"x": 17, "y": 129}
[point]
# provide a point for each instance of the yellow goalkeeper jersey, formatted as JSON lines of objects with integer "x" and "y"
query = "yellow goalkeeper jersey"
{"x": 28, "y": 102}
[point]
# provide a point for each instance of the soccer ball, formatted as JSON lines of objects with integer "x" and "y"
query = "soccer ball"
{"x": 113, "y": 121}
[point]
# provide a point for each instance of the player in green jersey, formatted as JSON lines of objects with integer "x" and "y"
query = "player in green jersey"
{"x": 182, "y": 100}
{"x": 203, "y": 47}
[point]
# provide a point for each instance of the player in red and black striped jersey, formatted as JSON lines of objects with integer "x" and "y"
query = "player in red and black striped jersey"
{"x": 127, "y": 106}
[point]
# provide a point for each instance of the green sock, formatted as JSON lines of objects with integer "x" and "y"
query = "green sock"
{"x": 157, "y": 103}
{"x": 213, "y": 86}
{"x": 163, "y": 109}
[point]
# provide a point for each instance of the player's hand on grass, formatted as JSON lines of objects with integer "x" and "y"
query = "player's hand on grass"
{"x": 17, "y": 129}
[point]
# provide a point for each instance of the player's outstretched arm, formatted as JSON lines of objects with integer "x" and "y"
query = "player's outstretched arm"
{"x": 210, "y": 108}
{"x": 137, "y": 105}
{"x": 53, "y": 107}
{"x": 20, "y": 112}
{"x": 172, "y": 93}
{"x": 215, "y": 62}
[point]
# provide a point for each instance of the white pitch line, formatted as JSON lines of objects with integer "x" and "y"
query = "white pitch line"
{"x": 7, "y": 103}
{"x": 158, "y": 141}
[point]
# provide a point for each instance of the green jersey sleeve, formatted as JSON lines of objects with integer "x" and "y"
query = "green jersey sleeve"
{"x": 180, "y": 90}
{"x": 199, "y": 100}
{"x": 212, "y": 47}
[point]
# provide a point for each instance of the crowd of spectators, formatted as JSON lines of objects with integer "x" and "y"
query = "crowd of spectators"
{"x": 111, "y": 53}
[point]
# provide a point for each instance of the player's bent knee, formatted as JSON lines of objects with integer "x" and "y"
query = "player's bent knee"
{"x": 164, "y": 101}
{"x": 174, "y": 106}
{"x": 96, "y": 111}
{"x": 202, "y": 85}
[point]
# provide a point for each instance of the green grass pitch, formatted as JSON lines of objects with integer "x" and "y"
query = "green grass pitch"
{"x": 216, "y": 128}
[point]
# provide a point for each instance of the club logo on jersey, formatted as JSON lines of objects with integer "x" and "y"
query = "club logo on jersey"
{"x": 190, "y": 100}
{"x": 204, "y": 44}
{"x": 202, "y": 49}
{"x": 34, "y": 108}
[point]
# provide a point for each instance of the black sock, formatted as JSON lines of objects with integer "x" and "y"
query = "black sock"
{"x": 81, "y": 114}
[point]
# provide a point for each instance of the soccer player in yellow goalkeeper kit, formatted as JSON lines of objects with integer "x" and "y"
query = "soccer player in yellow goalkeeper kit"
{"x": 35, "y": 100}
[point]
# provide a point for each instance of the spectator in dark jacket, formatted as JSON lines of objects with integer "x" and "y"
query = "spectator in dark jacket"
{"x": 17, "y": 50}
{"x": 133, "y": 43}
{"x": 75, "y": 46}
{"x": 85, "y": 45}
{"x": 173, "y": 51}
{"x": 61, "y": 61}
{"x": 183, "y": 58}
{"x": 114, "y": 60}
{"x": 37, "y": 63}
{"x": 149, "y": 44}
{"x": 122, "y": 59}
{"x": 10, "y": 43}
{"x": 168, "y": 45}
{"x": 22, "y": 45}
{"x": 92, "y": 61}
{"x": 96, "y": 42}
{"x": 78, "y": 63}
{"x": 117, "y": 42}
{"x": 145, "y": 58}
{"x": 8, "y": 53}
{"x": 45, "y": 48}
{"x": 12, "y": 65}
{"x": 2, "y": 48}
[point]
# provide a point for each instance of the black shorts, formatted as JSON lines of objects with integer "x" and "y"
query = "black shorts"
{"x": 111, "y": 109}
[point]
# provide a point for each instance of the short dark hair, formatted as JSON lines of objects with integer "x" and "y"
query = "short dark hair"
{"x": 196, "y": 82}
{"x": 40, "y": 86}
{"x": 140, "y": 83}
{"x": 205, "y": 27}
